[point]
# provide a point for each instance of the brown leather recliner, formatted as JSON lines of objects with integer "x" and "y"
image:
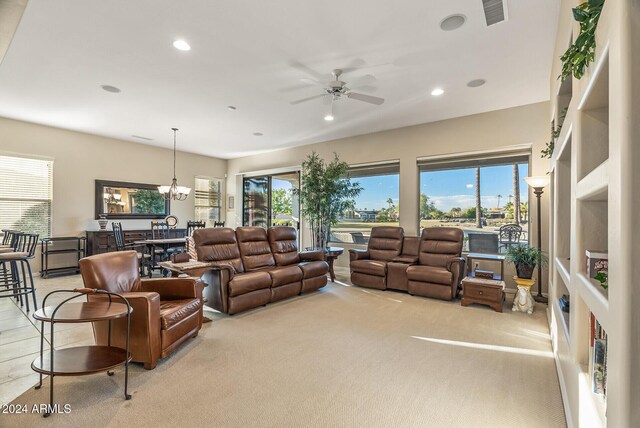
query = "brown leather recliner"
{"x": 440, "y": 265}
{"x": 284, "y": 246}
{"x": 166, "y": 311}
{"x": 369, "y": 267}
{"x": 249, "y": 270}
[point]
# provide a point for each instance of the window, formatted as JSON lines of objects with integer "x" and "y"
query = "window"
{"x": 208, "y": 199}
{"x": 451, "y": 190}
{"x": 25, "y": 194}
{"x": 377, "y": 204}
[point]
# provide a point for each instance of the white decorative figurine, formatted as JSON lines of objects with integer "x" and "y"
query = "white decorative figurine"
{"x": 523, "y": 301}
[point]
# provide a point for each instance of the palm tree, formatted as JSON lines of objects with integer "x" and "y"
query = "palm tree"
{"x": 510, "y": 196}
{"x": 478, "y": 204}
{"x": 516, "y": 193}
{"x": 390, "y": 202}
{"x": 499, "y": 197}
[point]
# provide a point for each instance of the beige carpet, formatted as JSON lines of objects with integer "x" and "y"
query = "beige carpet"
{"x": 341, "y": 357}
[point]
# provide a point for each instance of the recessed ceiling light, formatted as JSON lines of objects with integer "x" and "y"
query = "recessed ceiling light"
{"x": 181, "y": 45}
{"x": 110, "y": 88}
{"x": 329, "y": 117}
{"x": 258, "y": 134}
{"x": 437, "y": 92}
{"x": 231, "y": 108}
{"x": 453, "y": 22}
{"x": 475, "y": 83}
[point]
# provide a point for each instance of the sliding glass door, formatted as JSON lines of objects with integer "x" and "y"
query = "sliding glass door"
{"x": 269, "y": 200}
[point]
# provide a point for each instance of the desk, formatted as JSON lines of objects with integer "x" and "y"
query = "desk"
{"x": 486, "y": 257}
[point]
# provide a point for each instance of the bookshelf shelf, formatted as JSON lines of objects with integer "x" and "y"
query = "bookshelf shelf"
{"x": 595, "y": 297}
{"x": 562, "y": 266}
{"x": 595, "y": 185}
{"x": 565, "y": 319}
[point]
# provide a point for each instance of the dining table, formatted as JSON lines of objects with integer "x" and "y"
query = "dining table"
{"x": 152, "y": 245}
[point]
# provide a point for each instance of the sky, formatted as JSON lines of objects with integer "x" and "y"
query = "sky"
{"x": 447, "y": 189}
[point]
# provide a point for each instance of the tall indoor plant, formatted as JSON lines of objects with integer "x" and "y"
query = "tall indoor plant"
{"x": 325, "y": 193}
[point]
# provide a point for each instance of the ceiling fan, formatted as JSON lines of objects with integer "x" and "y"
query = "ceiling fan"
{"x": 337, "y": 89}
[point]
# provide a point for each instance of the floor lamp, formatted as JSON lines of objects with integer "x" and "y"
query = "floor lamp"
{"x": 538, "y": 184}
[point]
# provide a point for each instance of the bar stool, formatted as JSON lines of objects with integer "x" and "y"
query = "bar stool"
{"x": 16, "y": 264}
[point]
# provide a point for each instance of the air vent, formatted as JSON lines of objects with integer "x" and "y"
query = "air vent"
{"x": 142, "y": 138}
{"x": 494, "y": 11}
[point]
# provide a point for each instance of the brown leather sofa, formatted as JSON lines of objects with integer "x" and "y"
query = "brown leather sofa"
{"x": 440, "y": 265}
{"x": 166, "y": 311}
{"x": 429, "y": 266}
{"x": 252, "y": 266}
{"x": 369, "y": 267}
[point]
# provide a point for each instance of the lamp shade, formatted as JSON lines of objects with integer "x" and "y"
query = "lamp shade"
{"x": 537, "y": 182}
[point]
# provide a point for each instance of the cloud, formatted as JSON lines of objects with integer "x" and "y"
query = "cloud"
{"x": 470, "y": 186}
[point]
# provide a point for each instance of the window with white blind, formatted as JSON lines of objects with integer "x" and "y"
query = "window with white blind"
{"x": 26, "y": 194}
{"x": 208, "y": 199}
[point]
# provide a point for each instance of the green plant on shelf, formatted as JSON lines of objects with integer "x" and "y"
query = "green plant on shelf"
{"x": 583, "y": 51}
{"x": 602, "y": 278}
{"x": 555, "y": 133}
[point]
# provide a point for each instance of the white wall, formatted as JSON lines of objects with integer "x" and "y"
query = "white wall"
{"x": 80, "y": 158}
{"x": 482, "y": 132}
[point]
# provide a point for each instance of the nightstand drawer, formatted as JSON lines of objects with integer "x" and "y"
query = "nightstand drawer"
{"x": 479, "y": 292}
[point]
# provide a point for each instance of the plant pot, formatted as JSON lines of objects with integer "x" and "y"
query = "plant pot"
{"x": 525, "y": 271}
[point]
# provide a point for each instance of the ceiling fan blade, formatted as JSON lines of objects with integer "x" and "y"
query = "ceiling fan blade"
{"x": 366, "y": 98}
{"x": 304, "y": 100}
{"x": 313, "y": 82}
{"x": 355, "y": 64}
{"x": 366, "y": 80}
{"x": 309, "y": 71}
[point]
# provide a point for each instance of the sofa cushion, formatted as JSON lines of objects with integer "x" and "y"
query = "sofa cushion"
{"x": 385, "y": 242}
{"x": 248, "y": 282}
{"x": 431, "y": 274}
{"x": 254, "y": 248}
{"x": 218, "y": 244}
{"x": 284, "y": 245}
{"x": 285, "y": 275}
{"x": 439, "y": 244}
{"x": 371, "y": 267}
{"x": 174, "y": 311}
{"x": 313, "y": 269}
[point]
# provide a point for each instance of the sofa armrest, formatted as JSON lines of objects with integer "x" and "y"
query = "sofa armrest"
{"x": 456, "y": 267}
{"x": 173, "y": 288}
{"x": 355, "y": 254}
{"x": 404, "y": 258}
{"x": 311, "y": 255}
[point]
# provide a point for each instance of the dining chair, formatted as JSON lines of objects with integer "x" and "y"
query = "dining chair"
{"x": 121, "y": 245}
{"x": 193, "y": 225}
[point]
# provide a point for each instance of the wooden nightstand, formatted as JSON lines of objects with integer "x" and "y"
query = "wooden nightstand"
{"x": 482, "y": 291}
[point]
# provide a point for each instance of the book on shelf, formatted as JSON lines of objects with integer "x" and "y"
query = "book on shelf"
{"x": 598, "y": 267}
{"x": 565, "y": 303}
{"x": 597, "y": 357}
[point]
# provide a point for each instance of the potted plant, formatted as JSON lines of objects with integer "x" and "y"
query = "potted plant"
{"x": 525, "y": 260}
{"x": 325, "y": 193}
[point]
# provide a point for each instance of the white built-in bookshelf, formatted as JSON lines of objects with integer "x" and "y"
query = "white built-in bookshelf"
{"x": 593, "y": 171}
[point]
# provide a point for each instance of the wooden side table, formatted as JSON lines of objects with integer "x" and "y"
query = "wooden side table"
{"x": 82, "y": 360}
{"x": 482, "y": 291}
{"x": 331, "y": 254}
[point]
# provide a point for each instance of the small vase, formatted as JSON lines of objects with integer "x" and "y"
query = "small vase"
{"x": 102, "y": 221}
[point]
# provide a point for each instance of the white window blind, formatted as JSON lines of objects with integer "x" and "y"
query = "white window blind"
{"x": 208, "y": 199}
{"x": 25, "y": 194}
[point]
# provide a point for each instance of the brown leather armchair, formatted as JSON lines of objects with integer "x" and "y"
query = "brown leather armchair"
{"x": 166, "y": 311}
{"x": 369, "y": 267}
{"x": 440, "y": 265}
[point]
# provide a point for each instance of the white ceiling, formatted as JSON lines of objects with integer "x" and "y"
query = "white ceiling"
{"x": 253, "y": 53}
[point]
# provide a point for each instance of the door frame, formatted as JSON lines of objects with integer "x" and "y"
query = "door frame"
{"x": 269, "y": 178}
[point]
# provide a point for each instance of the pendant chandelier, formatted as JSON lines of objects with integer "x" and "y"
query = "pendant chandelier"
{"x": 174, "y": 192}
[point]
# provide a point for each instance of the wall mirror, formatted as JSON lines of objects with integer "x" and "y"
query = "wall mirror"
{"x": 122, "y": 200}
